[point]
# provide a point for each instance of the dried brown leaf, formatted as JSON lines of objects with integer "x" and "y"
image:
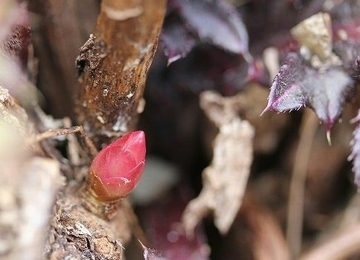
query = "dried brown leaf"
{"x": 224, "y": 181}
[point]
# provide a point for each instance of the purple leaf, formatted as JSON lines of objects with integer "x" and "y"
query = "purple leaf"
{"x": 327, "y": 94}
{"x": 162, "y": 222}
{"x": 11, "y": 14}
{"x": 216, "y": 22}
{"x": 210, "y": 21}
{"x": 17, "y": 44}
{"x": 15, "y": 38}
{"x": 355, "y": 152}
{"x": 287, "y": 92}
{"x": 15, "y": 33}
{"x": 257, "y": 73}
{"x": 176, "y": 39}
{"x": 151, "y": 254}
{"x": 298, "y": 85}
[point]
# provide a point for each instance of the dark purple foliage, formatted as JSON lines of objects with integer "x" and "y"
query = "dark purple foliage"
{"x": 298, "y": 85}
{"x": 257, "y": 73}
{"x": 325, "y": 90}
{"x": 162, "y": 223}
{"x": 327, "y": 94}
{"x": 355, "y": 153}
{"x": 151, "y": 254}
{"x": 210, "y": 21}
{"x": 15, "y": 37}
{"x": 287, "y": 92}
{"x": 176, "y": 39}
{"x": 15, "y": 44}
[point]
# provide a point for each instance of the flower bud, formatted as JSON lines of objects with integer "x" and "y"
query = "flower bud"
{"x": 117, "y": 169}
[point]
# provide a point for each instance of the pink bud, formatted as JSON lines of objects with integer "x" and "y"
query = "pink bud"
{"x": 117, "y": 168}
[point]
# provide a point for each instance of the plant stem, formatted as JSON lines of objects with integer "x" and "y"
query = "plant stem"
{"x": 295, "y": 214}
{"x": 114, "y": 63}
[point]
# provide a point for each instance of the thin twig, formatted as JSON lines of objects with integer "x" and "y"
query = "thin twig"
{"x": 309, "y": 125}
{"x": 73, "y": 145}
{"x": 341, "y": 246}
{"x": 66, "y": 131}
{"x": 54, "y": 133}
{"x": 91, "y": 146}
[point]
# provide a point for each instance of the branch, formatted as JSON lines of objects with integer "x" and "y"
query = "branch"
{"x": 113, "y": 65}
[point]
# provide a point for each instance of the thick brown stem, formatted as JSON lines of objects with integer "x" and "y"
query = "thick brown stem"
{"x": 114, "y": 63}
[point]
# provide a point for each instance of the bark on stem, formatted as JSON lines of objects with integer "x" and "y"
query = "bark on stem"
{"x": 113, "y": 64}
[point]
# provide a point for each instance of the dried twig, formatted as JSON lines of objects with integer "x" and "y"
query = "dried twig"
{"x": 297, "y": 186}
{"x": 67, "y": 131}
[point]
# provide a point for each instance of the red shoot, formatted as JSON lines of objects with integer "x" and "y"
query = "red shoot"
{"x": 117, "y": 169}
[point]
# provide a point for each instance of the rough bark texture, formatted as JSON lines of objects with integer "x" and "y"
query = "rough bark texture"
{"x": 28, "y": 185}
{"x": 113, "y": 65}
{"x": 78, "y": 233}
